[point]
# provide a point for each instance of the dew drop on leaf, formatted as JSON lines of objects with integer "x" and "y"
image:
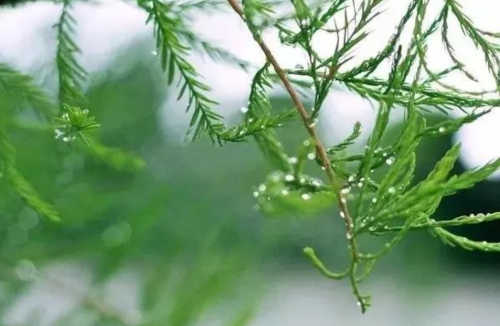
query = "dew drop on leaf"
{"x": 313, "y": 123}
{"x": 392, "y": 190}
{"x": 390, "y": 160}
{"x": 305, "y": 196}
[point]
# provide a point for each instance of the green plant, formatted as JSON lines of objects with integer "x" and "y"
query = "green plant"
{"x": 392, "y": 204}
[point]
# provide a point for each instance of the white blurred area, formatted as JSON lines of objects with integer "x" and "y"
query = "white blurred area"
{"x": 113, "y": 37}
{"x": 111, "y": 46}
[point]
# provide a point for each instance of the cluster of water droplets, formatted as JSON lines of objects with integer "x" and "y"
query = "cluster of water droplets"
{"x": 66, "y": 131}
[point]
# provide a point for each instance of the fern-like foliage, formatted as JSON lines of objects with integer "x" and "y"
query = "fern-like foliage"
{"x": 391, "y": 203}
{"x": 71, "y": 74}
{"x": 173, "y": 54}
{"x": 394, "y": 203}
{"x": 20, "y": 87}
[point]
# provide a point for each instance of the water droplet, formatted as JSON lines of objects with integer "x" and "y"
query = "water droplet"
{"x": 284, "y": 192}
{"x": 371, "y": 228}
{"x": 442, "y": 129}
{"x": 305, "y": 196}
{"x": 348, "y": 236}
{"x": 316, "y": 183}
{"x": 313, "y": 123}
{"x": 311, "y": 156}
{"x": 384, "y": 154}
{"x": 342, "y": 214}
{"x": 343, "y": 200}
{"x": 359, "y": 303}
{"x": 351, "y": 178}
{"x": 155, "y": 53}
{"x": 65, "y": 116}
{"x": 276, "y": 176}
{"x": 289, "y": 177}
{"x": 58, "y": 133}
{"x": 374, "y": 200}
{"x": 293, "y": 160}
{"x": 392, "y": 190}
{"x": 256, "y": 194}
{"x": 485, "y": 243}
{"x": 360, "y": 184}
{"x": 302, "y": 180}
{"x": 307, "y": 143}
{"x": 250, "y": 120}
{"x": 351, "y": 225}
{"x": 244, "y": 109}
{"x": 387, "y": 245}
{"x": 345, "y": 191}
{"x": 323, "y": 168}
{"x": 363, "y": 224}
{"x": 262, "y": 188}
{"x": 390, "y": 160}
{"x": 85, "y": 111}
{"x": 256, "y": 207}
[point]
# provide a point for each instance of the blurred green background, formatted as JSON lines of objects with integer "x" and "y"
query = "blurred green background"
{"x": 198, "y": 252}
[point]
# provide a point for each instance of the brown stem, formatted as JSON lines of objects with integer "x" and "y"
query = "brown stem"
{"x": 320, "y": 149}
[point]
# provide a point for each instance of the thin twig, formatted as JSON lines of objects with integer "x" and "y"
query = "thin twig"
{"x": 320, "y": 149}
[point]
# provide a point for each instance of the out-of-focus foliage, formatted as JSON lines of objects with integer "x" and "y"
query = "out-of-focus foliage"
{"x": 111, "y": 195}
